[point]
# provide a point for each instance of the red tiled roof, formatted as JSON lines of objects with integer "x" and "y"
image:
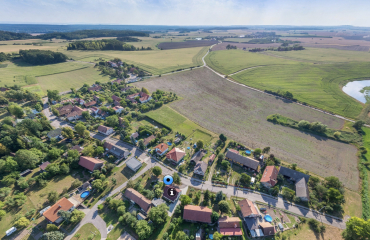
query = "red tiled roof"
{"x": 115, "y": 98}
{"x": 88, "y": 104}
{"x": 229, "y": 222}
{"x": 270, "y": 175}
{"x": 44, "y": 165}
{"x": 267, "y": 228}
{"x": 231, "y": 231}
{"x": 52, "y": 213}
{"x": 89, "y": 162}
{"x": 77, "y": 147}
{"x": 148, "y": 140}
{"x": 165, "y": 193}
{"x": 96, "y": 88}
{"x": 197, "y": 214}
{"x": 108, "y": 145}
{"x": 247, "y": 208}
{"x": 160, "y": 148}
{"x": 138, "y": 198}
{"x": 234, "y": 151}
{"x": 212, "y": 157}
{"x": 103, "y": 128}
{"x": 175, "y": 154}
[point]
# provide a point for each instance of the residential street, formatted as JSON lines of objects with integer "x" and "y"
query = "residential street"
{"x": 93, "y": 217}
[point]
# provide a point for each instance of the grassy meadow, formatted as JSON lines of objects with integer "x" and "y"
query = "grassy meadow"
{"x": 86, "y": 231}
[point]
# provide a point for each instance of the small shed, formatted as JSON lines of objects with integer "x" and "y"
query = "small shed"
{"x": 133, "y": 164}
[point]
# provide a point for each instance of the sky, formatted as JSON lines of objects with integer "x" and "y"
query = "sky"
{"x": 187, "y": 12}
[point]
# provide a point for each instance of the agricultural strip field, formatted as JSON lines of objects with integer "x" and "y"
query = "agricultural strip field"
{"x": 23, "y": 74}
{"x": 178, "y": 123}
{"x": 75, "y": 79}
{"x": 231, "y": 61}
{"x": 240, "y": 113}
{"x": 156, "y": 62}
{"x": 222, "y": 46}
{"x": 185, "y": 44}
{"x": 319, "y": 85}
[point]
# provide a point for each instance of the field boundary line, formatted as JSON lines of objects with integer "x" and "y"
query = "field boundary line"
{"x": 246, "y": 69}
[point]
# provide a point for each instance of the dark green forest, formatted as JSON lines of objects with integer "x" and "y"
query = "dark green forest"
{"x": 5, "y": 36}
{"x": 128, "y": 39}
{"x": 3, "y": 57}
{"x": 41, "y": 57}
{"x": 91, "y": 34}
{"x": 104, "y": 44}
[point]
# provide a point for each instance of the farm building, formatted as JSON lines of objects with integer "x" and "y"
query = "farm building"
{"x": 136, "y": 197}
{"x": 247, "y": 162}
{"x": 198, "y": 156}
{"x": 90, "y": 163}
{"x": 300, "y": 180}
{"x": 197, "y": 214}
{"x": 230, "y": 226}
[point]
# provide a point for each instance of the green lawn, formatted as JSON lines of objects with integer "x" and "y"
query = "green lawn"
{"x": 35, "y": 89}
{"x": 230, "y": 61}
{"x": 65, "y": 81}
{"x": 87, "y": 230}
{"x": 178, "y": 123}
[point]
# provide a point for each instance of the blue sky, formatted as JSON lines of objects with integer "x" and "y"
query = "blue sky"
{"x": 187, "y": 12}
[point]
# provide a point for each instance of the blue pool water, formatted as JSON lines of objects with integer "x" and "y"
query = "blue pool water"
{"x": 248, "y": 152}
{"x": 268, "y": 218}
{"x": 169, "y": 144}
{"x": 85, "y": 194}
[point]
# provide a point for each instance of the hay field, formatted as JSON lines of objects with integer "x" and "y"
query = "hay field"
{"x": 231, "y": 61}
{"x": 156, "y": 62}
{"x": 75, "y": 79}
{"x": 241, "y": 45}
{"x": 25, "y": 74}
{"x": 240, "y": 113}
{"x": 316, "y": 84}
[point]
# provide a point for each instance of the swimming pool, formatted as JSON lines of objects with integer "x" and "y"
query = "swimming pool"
{"x": 85, "y": 194}
{"x": 268, "y": 218}
{"x": 248, "y": 152}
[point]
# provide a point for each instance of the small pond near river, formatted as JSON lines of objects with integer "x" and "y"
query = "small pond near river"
{"x": 359, "y": 90}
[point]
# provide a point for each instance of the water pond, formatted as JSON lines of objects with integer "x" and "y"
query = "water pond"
{"x": 359, "y": 90}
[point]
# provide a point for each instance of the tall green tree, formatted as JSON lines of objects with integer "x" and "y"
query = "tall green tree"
{"x": 143, "y": 230}
{"x": 357, "y": 229}
{"x": 159, "y": 214}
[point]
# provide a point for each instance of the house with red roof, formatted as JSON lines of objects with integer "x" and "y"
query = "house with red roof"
{"x": 51, "y": 214}
{"x": 94, "y": 88}
{"x": 136, "y": 197}
{"x": 269, "y": 176}
{"x": 248, "y": 209}
{"x": 175, "y": 155}
{"x": 115, "y": 98}
{"x": 76, "y": 113}
{"x": 143, "y": 97}
{"x": 89, "y": 104}
{"x": 161, "y": 149}
{"x": 90, "y": 163}
{"x": 105, "y": 130}
{"x": 197, "y": 214}
{"x": 230, "y": 226}
{"x": 118, "y": 109}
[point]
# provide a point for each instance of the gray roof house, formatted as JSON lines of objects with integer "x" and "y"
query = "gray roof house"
{"x": 198, "y": 156}
{"x": 293, "y": 174}
{"x": 55, "y": 133}
{"x": 200, "y": 168}
{"x": 242, "y": 160}
{"x": 301, "y": 190}
{"x": 133, "y": 164}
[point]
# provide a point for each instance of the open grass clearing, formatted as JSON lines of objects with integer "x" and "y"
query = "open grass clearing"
{"x": 305, "y": 233}
{"x": 240, "y": 114}
{"x": 353, "y": 205}
{"x": 65, "y": 81}
{"x": 35, "y": 89}
{"x": 230, "y": 61}
{"x": 315, "y": 84}
{"x": 87, "y": 230}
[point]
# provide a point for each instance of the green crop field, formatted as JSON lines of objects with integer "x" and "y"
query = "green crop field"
{"x": 324, "y": 55}
{"x": 75, "y": 79}
{"x": 316, "y": 84}
{"x": 25, "y": 74}
{"x": 178, "y": 123}
{"x": 230, "y": 61}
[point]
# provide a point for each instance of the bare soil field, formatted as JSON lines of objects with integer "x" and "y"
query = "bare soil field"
{"x": 222, "y": 46}
{"x": 240, "y": 113}
{"x": 348, "y": 48}
{"x": 185, "y": 44}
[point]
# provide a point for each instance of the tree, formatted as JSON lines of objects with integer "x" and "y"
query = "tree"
{"x": 52, "y": 169}
{"x": 356, "y": 229}
{"x": 288, "y": 193}
{"x": 219, "y": 197}
{"x": 224, "y": 206}
{"x": 221, "y": 157}
{"x": 53, "y": 95}
{"x": 158, "y": 193}
{"x": 77, "y": 216}
{"x": 358, "y": 124}
{"x": 8, "y": 165}
{"x": 181, "y": 235}
{"x": 257, "y": 151}
{"x": 67, "y": 132}
{"x": 245, "y": 179}
{"x": 207, "y": 195}
{"x": 53, "y": 153}
{"x": 334, "y": 196}
{"x": 185, "y": 200}
{"x": 141, "y": 144}
{"x": 3, "y": 149}
{"x": 22, "y": 222}
{"x": 4, "y": 191}
{"x": 121, "y": 210}
{"x": 333, "y": 182}
{"x": 16, "y": 110}
{"x": 86, "y": 115}
{"x": 225, "y": 164}
{"x": 304, "y": 124}
{"x": 76, "y": 183}
{"x": 223, "y": 137}
{"x": 266, "y": 150}
{"x": 112, "y": 121}
{"x": 144, "y": 90}
{"x": 55, "y": 235}
{"x": 2, "y": 213}
{"x": 52, "y": 196}
{"x": 159, "y": 214}
{"x": 115, "y": 203}
{"x": 80, "y": 129}
{"x": 215, "y": 216}
{"x": 66, "y": 215}
{"x": 22, "y": 183}
{"x": 176, "y": 178}
{"x": 26, "y": 159}
{"x": 200, "y": 144}
{"x": 337, "y": 134}
{"x": 109, "y": 167}
{"x": 64, "y": 169}
{"x": 217, "y": 236}
{"x": 88, "y": 151}
{"x": 99, "y": 151}
{"x": 51, "y": 228}
{"x": 157, "y": 171}
{"x": 143, "y": 230}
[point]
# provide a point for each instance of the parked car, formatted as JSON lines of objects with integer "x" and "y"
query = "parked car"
{"x": 262, "y": 209}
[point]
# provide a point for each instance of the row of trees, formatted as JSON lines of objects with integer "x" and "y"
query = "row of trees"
{"x": 92, "y": 34}
{"x": 6, "y": 36}
{"x": 104, "y": 44}
{"x": 41, "y": 57}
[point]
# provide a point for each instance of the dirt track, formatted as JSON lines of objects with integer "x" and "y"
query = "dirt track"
{"x": 240, "y": 113}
